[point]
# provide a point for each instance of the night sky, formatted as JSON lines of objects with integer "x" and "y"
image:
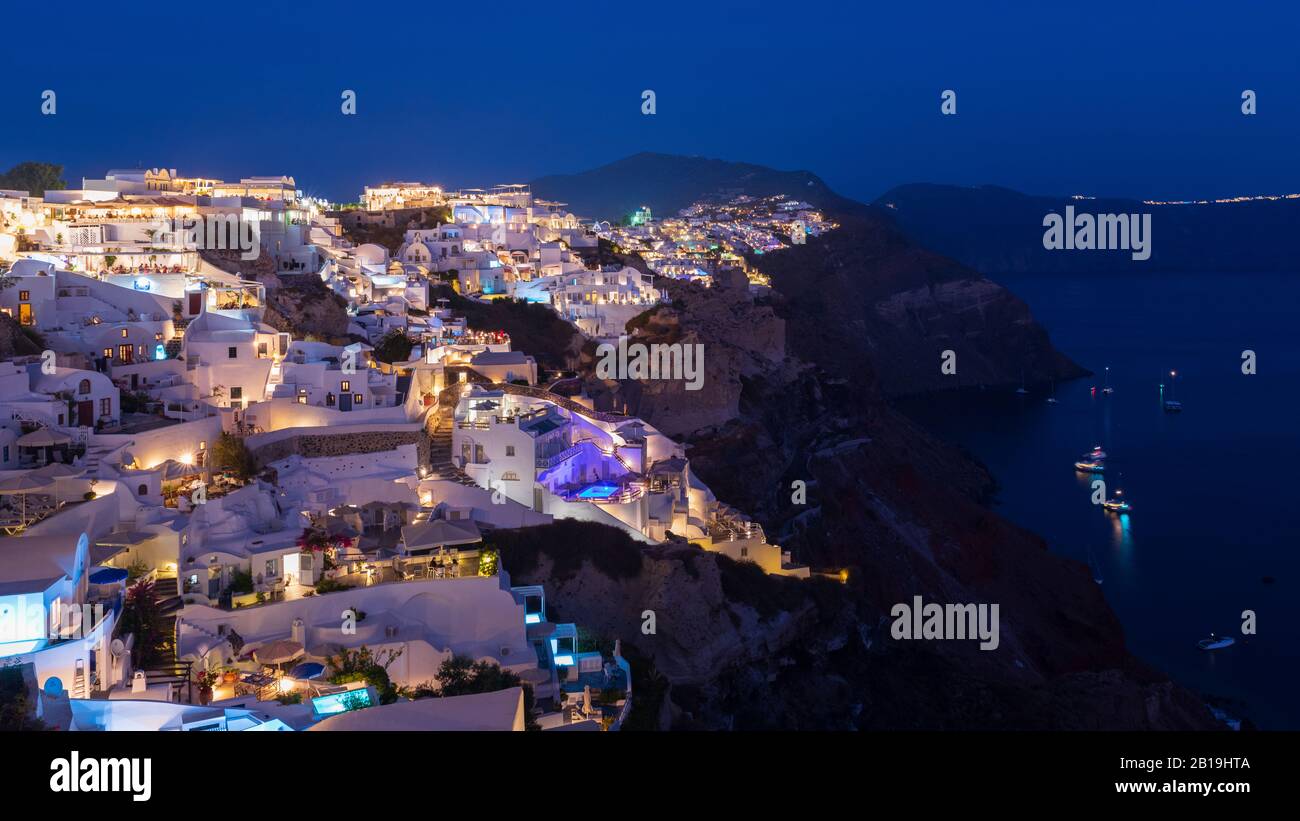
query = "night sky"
{"x": 1120, "y": 99}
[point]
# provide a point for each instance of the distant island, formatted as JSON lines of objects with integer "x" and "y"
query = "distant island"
{"x": 997, "y": 230}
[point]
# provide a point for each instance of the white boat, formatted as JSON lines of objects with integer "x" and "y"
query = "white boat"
{"x": 1216, "y": 642}
{"x": 1108, "y": 389}
{"x": 1116, "y": 503}
{"x": 1172, "y": 405}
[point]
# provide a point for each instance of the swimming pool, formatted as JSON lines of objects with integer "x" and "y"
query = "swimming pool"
{"x": 599, "y": 490}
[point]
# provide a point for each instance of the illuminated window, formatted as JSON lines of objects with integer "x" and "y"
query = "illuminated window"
{"x": 124, "y": 330}
{"x": 108, "y": 353}
{"x": 24, "y": 296}
{"x": 356, "y": 398}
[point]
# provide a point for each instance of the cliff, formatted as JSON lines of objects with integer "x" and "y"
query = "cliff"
{"x": 299, "y": 303}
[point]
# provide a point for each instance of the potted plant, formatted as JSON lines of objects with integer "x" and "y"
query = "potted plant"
{"x": 230, "y": 675}
{"x": 205, "y": 679}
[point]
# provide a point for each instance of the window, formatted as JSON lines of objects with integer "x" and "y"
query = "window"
{"x": 510, "y": 450}
{"x": 106, "y": 406}
{"x": 510, "y": 476}
{"x": 262, "y": 351}
{"x": 329, "y": 400}
{"x": 236, "y": 393}
{"x": 345, "y": 386}
{"x": 83, "y": 387}
{"x": 356, "y": 398}
{"x": 158, "y": 336}
{"x": 124, "y": 331}
{"x": 302, "y": 398}
{"x": 24, "y": 296}
{"x": 142, "y": 490}
{"x": 270, "y": 567}
{"x": 232, "y": 352}
{"x": 744, "y": 553}
{"x": 6, "y": 453}
{"x": 108, "y": 353}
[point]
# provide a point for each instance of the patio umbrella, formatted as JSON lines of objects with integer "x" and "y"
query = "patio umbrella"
{"x": 58, "y": 470}
{"x": 307, "y": 670}
{"x": 42, "y": 438}
{"x": 278, "y": 652}
{"x": 23, "y": 485}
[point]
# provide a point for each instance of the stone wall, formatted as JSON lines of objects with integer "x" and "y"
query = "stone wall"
{"x": 317, "y": 445}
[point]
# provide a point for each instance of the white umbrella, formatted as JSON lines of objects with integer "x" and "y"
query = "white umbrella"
{"x": 43, "y": 438}
{"x": 58, "y": 470}
{"x": 23, "y": 485}
{"x": 26, "y": 483}
{"x": 278, "y": 652}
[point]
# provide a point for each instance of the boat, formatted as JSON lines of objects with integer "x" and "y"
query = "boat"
{"x": 1117, "y": 504}
{"x": 1094, "y": 461}
{"x": 1216, "y": 642}
{"x": 1171, "y": 404}
{"x": 1051, "y": 400}
{"x": 1108, "y": 389}
{"x": 1021, "y": 390}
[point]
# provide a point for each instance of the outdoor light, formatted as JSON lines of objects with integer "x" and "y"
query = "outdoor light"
{"x": 187, "y": 459}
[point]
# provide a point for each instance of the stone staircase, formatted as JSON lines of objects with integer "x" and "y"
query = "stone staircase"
{"x": 169, "y": 597}
{"x": 441, "y": 465}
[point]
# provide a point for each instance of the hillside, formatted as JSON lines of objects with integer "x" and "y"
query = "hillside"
{"x": 863, "y": 299}
{"x": 668, "y": 183}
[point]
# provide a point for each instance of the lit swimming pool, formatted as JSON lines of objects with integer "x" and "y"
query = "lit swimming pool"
{"x": 597, "y": 491}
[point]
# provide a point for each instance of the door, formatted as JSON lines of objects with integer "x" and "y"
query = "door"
{"x": 345, "y": 402}
{"x": 196, "y": 302}
{"x": 25, "y": 314}
{"x": 86, "y": 413}
{"x": 126, "y": 354}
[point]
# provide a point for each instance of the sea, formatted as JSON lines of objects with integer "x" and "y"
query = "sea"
{"x": 1212, "y": 543}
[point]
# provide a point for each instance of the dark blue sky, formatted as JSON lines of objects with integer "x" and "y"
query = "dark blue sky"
{"x": 1130, "y": 99}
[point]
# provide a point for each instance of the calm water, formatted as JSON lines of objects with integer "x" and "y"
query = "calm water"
{"x": 1213, "y": 489}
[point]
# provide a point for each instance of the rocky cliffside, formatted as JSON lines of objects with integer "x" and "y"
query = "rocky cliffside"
{"x": 798, "y": 390}
{"x": 864, "y": 289}
{"x": 299, "y": 303}
{"x": 13, "y": 341}
{"x": 740, "y": 340}
{"x": 732, "y": 648}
